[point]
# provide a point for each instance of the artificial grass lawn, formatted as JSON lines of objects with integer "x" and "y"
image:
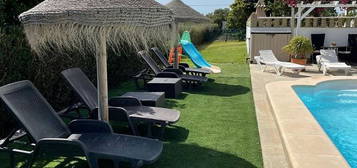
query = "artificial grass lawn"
{"x": 224, "y": 52}
{"x": 218, "y": 127}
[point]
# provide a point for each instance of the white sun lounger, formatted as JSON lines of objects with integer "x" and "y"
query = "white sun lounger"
{"x": 328, "y": 61}
{"x": 268, "y": 58}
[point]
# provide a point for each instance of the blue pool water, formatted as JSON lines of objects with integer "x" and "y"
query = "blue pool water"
{"x": 334, "y": 106}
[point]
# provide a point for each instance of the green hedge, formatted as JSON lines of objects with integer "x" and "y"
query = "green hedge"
{"x": 19, "y": 63}
{"x": 234, "y": 34}
{"x": 201, "y": 33}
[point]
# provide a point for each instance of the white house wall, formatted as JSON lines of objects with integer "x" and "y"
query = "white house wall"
{"x": 337, "y": 35}
{"x": 247, "y": 38}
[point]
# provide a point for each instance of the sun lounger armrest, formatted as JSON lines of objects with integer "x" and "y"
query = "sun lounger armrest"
{"x": 184, "y": 65}
{"x": 143, "y": 75}
{"x": 167, "y": 75}
{"x": 59, "y": 147}
{"x": 15, "y": 134}
{"x": 182, "y": 68}
{"x": 140, "y": 73}
{"x": 89, "y": 126}
{"x": 117, "y": 114}
{"x": 318, "y": 59}
{"x": 177, "y": 71}
{"x": 257, "y": 59}
{"x": 124, "y": 101}
{"x": 57, "y": 141}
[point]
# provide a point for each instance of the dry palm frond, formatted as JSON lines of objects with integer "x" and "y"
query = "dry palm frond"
{"x": 85, "y": 38}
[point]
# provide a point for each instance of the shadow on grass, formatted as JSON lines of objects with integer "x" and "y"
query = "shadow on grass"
{"x": 175, "y": 155}
{"x": 182, "y": 96}
{"x": 221, "y": 89}
{"x": 176, "y": 134}
{"x": 171, "y": 133}
{"x": 174, "y": 104}
{"x": 193, "y": 156}
{"x": 62, "y": 162}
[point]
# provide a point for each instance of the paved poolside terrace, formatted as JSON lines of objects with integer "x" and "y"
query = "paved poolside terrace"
{"x": 273, "y": 151}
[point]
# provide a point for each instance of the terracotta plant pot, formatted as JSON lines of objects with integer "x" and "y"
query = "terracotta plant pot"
{"x": 301, "y": 61}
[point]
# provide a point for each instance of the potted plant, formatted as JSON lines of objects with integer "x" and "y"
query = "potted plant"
{"x": 298, "y": 48}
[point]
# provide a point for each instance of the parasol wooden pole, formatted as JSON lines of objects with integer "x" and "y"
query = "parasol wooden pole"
{"x": 174, "y": 44}
{"x": 102, "y": 79}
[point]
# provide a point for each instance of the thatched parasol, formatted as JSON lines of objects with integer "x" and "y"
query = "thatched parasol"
{"x": 91, "y": 25}
{"x": 184, "y": 14}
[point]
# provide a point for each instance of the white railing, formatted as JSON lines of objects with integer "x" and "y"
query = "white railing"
{"x": 319, "y": 22}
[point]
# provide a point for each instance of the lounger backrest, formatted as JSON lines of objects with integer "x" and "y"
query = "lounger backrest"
{"x": 328, "y": 56}
{"x": 161, "y": 56}
{"x": 152, "y": 64}
{"x": 33, "y": 112}
{"x": 83, "y": 87}
{"x": 267, "y": 56}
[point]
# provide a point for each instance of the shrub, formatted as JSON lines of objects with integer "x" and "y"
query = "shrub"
{"x": 299, "y": 47}
{"x": 19, "y": 63}
{"x": 200, "y": 33}
{"x": 234, "y": 34}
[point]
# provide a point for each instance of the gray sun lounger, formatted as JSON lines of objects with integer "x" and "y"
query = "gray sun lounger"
{"x": 170, "y": 72}
{"x": 50, "y": 135}
{"x": 136, "y": 112}
{"x": 183, "y": 66}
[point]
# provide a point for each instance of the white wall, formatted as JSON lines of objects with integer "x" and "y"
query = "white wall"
{"x": 247, "y": 39}
{"x": 338, "y": 35}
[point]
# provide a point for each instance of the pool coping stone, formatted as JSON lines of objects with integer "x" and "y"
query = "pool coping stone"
{"x": 305, "y": 142}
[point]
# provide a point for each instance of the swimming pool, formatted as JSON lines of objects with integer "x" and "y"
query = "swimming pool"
{"x": 334, "y": 106}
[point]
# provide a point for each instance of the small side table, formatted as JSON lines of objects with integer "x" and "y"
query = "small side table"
{"x": 171, "y": 86}
{"x": 154, "y": 99}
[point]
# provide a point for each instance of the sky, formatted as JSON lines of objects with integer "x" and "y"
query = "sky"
{"x": 204, "y": 6}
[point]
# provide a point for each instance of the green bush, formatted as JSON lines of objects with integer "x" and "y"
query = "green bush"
{"x": 15, "y": 63}
{"x": 299, "y": 47}
{"x": 200, "y": 33}
{"x": 19, "y": 63}
{"x": 234, "y": 34}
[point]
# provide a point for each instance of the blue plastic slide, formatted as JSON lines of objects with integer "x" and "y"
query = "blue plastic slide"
{"x": 194, "y": 54}
{"x": 196, "y": 57}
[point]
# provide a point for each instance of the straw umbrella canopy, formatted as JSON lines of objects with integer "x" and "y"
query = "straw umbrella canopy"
{"x": 184, "y": 14}
{"x": 91, "y": 26}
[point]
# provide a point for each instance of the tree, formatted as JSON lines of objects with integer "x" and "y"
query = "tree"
{"x": 10, "y": 9}
{"x": 277, "y": 8}
{"x": 318, "y": 11}
{"x": 294, "y": 2}
{"x": 219, "y": 16}
{"x": 239, "y": 13}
